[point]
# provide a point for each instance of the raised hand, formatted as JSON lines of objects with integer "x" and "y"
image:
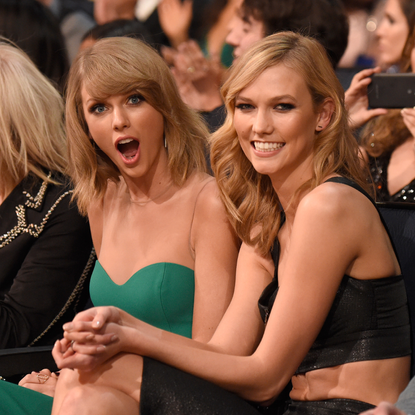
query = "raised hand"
{"x": 175, "y": 17}
{"x": 198, "y": 78}
{"x": 356, "y": 99}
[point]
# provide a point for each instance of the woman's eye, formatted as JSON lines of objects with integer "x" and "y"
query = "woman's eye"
{"x": 390, "y": 19}
{"x": 134, "y": 99}
{"x": 243, "y": 107}
{"x": 284, "y": 107}
{"x": 98, "y": 108}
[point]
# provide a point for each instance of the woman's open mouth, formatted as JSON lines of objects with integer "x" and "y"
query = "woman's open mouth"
{"x": 128, "y": 148}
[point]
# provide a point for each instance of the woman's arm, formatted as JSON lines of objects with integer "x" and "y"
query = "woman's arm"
{"x": 330, "y": 234}
{"x": 215, "y": 249}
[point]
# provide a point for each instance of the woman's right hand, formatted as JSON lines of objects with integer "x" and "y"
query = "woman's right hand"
{"x": 43, "y": 382}
{"x": 91, "y": 338}
{"x": 175, "y": 17}
{"x": 356, "y": 99}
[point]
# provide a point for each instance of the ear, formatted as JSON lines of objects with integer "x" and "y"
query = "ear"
{"x": 324, "y": 114}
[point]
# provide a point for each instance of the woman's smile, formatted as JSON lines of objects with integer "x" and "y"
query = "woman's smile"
{"x": 276, "y": 122}
{"x": 266, "y": 147}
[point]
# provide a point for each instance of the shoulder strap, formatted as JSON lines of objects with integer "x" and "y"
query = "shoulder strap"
{"x": 351, "y": 183}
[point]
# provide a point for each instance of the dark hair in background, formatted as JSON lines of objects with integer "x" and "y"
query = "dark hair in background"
{"x": 408, "y": 8}
{"x": 324, "y": 20}
{"x": 34, "y": 28}
{"x": 212, "y": 13}
{"x": 119, "y": 28}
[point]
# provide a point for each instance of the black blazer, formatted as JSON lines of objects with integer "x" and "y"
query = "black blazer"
{"x": 44, "y": 247}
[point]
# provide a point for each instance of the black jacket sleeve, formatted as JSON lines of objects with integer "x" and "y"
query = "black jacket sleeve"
{"x": 49, "y": 268}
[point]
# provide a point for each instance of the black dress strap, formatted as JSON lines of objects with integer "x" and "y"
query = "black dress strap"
{"x": 267, "y": 298}
{"x": 351, "y": 183}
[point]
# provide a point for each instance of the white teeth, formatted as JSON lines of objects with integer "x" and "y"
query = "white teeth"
{"x": 125, "y": 141}
{"x": 267, "y": 146}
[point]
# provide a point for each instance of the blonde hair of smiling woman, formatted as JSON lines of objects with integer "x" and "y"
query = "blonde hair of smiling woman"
{"x": 31, "y": 120}
{"x": 248, "y": 195}
{"x": 118, "y": 66}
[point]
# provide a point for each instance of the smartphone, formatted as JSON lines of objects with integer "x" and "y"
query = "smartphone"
{"x": 392, "y": 90}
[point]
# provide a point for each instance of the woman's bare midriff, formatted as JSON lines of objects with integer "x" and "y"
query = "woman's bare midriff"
{"x": 368, "y": 381}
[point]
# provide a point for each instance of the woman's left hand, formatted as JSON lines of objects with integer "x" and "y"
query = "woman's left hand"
{"x": 43, "y": 382}
{"x": 90, "y": 339}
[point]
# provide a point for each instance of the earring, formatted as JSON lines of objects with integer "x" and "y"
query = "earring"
{"x": 165, "y": 142}
{"x": 319, "y": 127}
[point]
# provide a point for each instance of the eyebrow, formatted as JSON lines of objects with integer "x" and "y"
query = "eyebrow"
{"x": 274, "y": 98}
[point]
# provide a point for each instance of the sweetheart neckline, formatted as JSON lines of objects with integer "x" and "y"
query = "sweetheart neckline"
{"x": 141, "y": 269}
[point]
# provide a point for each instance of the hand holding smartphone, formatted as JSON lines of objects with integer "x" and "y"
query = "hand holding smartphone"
{"x": 392, "y": 90}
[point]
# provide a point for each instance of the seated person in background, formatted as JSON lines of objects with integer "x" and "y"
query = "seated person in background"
{"x": 388, "y": 140}
{"x": 34, "y": 28}
{"x": 44, "y": 242}
{"x": 116, "y": 28}
{"x": 323, "y": 19}
{"x": 335, "y": 315}
{"x": 166, "y": 250}
{"x": 175, "y": 18}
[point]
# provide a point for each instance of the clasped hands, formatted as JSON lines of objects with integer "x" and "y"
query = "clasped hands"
{"x": 90, "y": 339}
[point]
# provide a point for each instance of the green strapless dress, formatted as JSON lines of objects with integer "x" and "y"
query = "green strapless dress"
{"x": 160, "y": 294}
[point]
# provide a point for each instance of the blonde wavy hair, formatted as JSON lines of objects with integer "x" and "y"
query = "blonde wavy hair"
{"x": 32, "y": 134}
{"x": 249, "y": 196}
{"x": 123, "y": 65}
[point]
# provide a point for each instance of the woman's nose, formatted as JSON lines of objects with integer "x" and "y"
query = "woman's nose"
{"x": 120, "y": 119}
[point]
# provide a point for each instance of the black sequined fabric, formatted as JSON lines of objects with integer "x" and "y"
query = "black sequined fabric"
{"x": 329, "y": 407}
{"x": 168, "y": 391}
{"x": 379, "y": 171}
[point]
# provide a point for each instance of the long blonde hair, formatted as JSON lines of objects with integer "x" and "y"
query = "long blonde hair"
{"x": 248, "y": 195}
{"x": 32, "y": 135}
{"x": 116, "y": 66}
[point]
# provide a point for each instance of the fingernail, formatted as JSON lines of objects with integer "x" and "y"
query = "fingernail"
{"x": 90, "y": 337}
{"x": 114, "y": 338}
{"x": 67, "y": 326}
{"x": 100, "y": 348}
{"x": 97, "y": 323}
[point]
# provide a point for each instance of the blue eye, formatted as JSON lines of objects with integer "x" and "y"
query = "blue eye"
{"x": 98, "y": 108}
{"x": 135, "y": 99}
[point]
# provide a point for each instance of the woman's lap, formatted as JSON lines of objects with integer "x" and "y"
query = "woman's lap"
{"x": 16, "y": 400}
{"x": 168, "y": 391}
